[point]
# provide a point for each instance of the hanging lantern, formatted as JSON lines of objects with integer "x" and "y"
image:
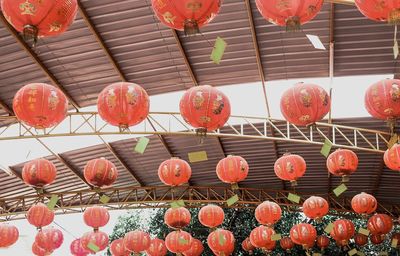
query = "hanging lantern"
{"x": 342, "y": 231}
{"x": 123, "y": 104}
{"x": 9, "y": 235}
{"x": 39, "y": 173}
{"x": 39, "y": 19}
{"x": 323, "y": 242}
{"x": 96, "y": 217}
{"x": 305, "y": 104}
{"x": 39, "y": 215}
{"x": 315, "y": 207}
{"x": 376, "y": 239}
{"x": 178, "y": 241}
{"x": 97, "y": 238}
{"x": 286, "y": 244}
{"x": 247, "y": 246}
{"x": 290, "y": 168}
{"x": 221, "y": 241}
{"x": 177, "y": 217}
{"x": 137, "y": 241}
{"x": 260, "y": 237}
{"x": 157, "y": 248}
{"x": 268, "y": 213}
{"x": 205, "y": 108}
{"x": 360, "y": 239}
{"x": 392, "y": 157}
{"x": 196, "y": 248}
{"x": 342, "y": 162}
{"x": 117, "y": 248}
{"x": 377, "y": 10}
{"x": 76, "y": 248}
{"x": 100, "y": 172}
{"x": 380, "y": 224}
{"x": 186, "y": 15}
{"x": 232, "y": 169}
{"x": 364, "y": 203}
{"x": 211, "y": 216}
{"x": 40, "y": 105}
{"x": 303, "y": 234}
{"x": 290, "y": 13}
{"x": 38, "y": 251}
{"x": 174, "y": 172}
{"x": 49, "y": 239}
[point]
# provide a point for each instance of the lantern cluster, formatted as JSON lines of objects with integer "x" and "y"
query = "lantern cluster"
{"x": 95, "y": 217}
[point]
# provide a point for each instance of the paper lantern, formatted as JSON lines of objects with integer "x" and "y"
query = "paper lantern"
{"x": 290, "y": 167}
{"x": 157, "y": 248}
{"x": 377, "y": 239}
{"x": 380, "y": 224}
{"x": 174, "y": 172}
{"x": 117, "y": 248}
{"x": 100, "y": 172}
{"x": 186, "y": 15}
{"x": 40, "y": 105}
{"x": 342, "y": 231}
{"x": 9, "y": 235}
{"x": 77, "y": 250}
{"x": 315, "y": 207}
{"x": 360, "y": 239}
{"x": 247, "y": 246}
{"x": 268, "y": 213}
{"x": 342, "y": 162}
{"x": 221, "y": 241}
{"x": 137, "y": 241}
{"x": 382, "y": 99}
{"x": 96, "y": 238}
{"x": 303, "y": 234}
{"x": 305, "y": 104}
{"x": 364, "y": 203}
{"x": 40, "y": 215}
{"x": 323, "y": 242}
{"x": 39, "y": 173}
{"x": 286, "y": 244}
{"x": 178, "y": 241}
{"x": 123, "y": 104}
{"x": 290, "y": 13}
{"x": 392, "y": 157}
{"x": 205, "y": 108}
{"x": 177, "y": 217}
{"x": 232, "y": 169}
{"x": 196, "y": 248}
{"x": 211, "y": 216}
{"x": 378, "y": 10}
{"x": 260, "y": 237}
{"x": 49, "y": 239}
{"x": 96, "y": 217}
{"x": 38, "y": 251}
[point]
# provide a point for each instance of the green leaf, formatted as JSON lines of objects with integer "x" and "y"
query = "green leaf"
{"x": 233, "y": 200}
{"x": 276, "y": 237}
{"x": 394, "y": 243}
{"x": 340, "y": 190}
{"x": 141, "y": 145}
{"x": 328, "y": 228}
{"x": 326, "y": 148}
{"x": 104, "y": 199}
{"x": 363, "y": 231}
{"x": 218, "y": 50}
{"x": 198, "y": 156}
{"x": 93, "y": 247}
{"x": 53, "y": 202}
{"x": 352, "y": 252}
{"x": 294, "y": 198}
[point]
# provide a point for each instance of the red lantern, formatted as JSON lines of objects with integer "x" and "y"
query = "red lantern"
{"x": 232, "y": 169}
{"x": 38, "y": 251}
{"x": 186, "y": 15}
{"x": 305, "y": 104}
{"x": 40, "y": 215}
{"x": 40, "y": 105}
{"x": 260, "y": 237}
{"x": 380, "y": 224}
{"x": 137, "y": 241}
{"x": 96, "y": 217}
{"x": 289, "y": 13}
{"x": 247, "y": 246}
{"x": 77, "y": 249}
{"x": 315, "y": 207}
{"x": 221, "y": 242}
{"x": 157, "y": 248}
{"x": 342, "y": 231}
{"x": 364, "y": 203}
{"x": 49, "y": 239}
{"x": 205, "y": 108}
{"x": 97, "y": 238}
{"x": 174, "y": 172}
{"x": 9, "y": 235}
{"x": 360, "y": 239}
{"x": 211, "y": 216}
{"x": 392, "y": 157}
{"x": 382, "y": 99}
{"x": 39, "y": 173}
{"x": 286, "y": 244}
{"x": 177, "y": 217}
{"x": 290, "y": 168}
{"x": 268, "y": 213}
{"x": 39, "y": 19}
{"x": 387, "y": 11}
{"x": 323, "y": 242}
{"x": 100, "y": 172}
{"x": 123, "y": 104}
{"x": 196, "y": 248}
{"x": 117, "y": 248}
{"x": 377, "y": 239}
{"x": 342, "y": 162}
{"x": 303, "y": 234}
{"x": 178, "y": 241}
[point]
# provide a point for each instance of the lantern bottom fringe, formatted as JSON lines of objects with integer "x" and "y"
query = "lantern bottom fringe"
{"x": 191, "y": 27}
{"x": 293, "y": 24}
{"x": 30, "y": 34}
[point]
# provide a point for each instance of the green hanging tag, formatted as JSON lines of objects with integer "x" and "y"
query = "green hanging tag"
{"x": 141, "y": 145}
{"x": 276, "y": 237}
{"x": 352, "y": 252}
{"x": 394, "y": 243}
{"x": 53, "y": 202}
{"x": 183, "y": 241}
{"x": 340, "y": 190}
{"x": 218, "y": 50}
{"x": 198, "y": 156}
{"x": 294, "y": 198}
{"x": 328, "y": 228}
{"x": 326, "y": 148}
{"x": 393, "y": 140}
{"x": 104, "y": 199}
{"x": 222, "y": 239}
{"x": 233, "y": 200}
{"x": 93, "y": 247}
{"x": 363, "y": 231}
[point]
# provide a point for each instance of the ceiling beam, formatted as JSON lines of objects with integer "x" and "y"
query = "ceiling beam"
{"x": 381, "y": 169}
{"x": 6, "y": 108}
{"x": 345, "y": 2}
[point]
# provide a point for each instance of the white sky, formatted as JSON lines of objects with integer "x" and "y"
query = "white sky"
{"x": 246, "y": 99}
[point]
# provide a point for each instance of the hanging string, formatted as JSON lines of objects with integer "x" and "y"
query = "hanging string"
{"x": 65, "y": 230}
{"x": 284, "y": 54}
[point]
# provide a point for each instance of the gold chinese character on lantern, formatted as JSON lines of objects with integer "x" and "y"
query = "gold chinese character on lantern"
{"x": 169, "y": 18}
{"x": 27, "y": 8}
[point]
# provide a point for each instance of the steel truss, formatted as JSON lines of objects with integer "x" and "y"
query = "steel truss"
{"x": 167, "y": 123}
{"x": 162, "y": 196}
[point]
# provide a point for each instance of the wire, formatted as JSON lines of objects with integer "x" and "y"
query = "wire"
{"x": 65, "y": 230}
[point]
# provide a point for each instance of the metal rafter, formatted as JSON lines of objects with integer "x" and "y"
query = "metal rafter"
{"x": 345, "y": 2}
{"x": 6, "y": 108}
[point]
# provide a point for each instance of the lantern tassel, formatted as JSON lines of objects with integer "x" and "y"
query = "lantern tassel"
{"x": 191, "y": 27}
{"x": 30, "y": 34}
{"x": 293, "y": 24}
